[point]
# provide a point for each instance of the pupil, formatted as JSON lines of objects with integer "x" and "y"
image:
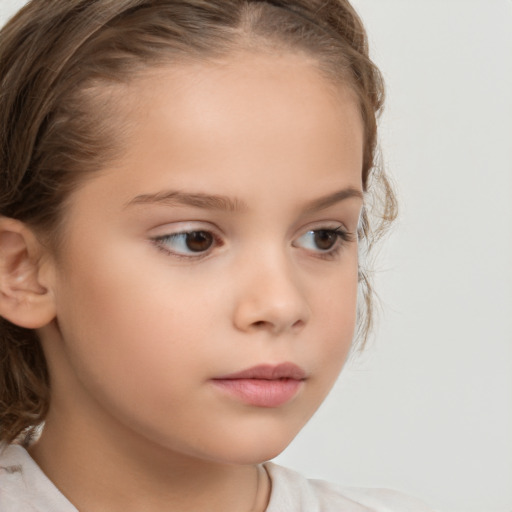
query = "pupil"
{"x": 325, "y": 240}
{"x": 199, "y": 241}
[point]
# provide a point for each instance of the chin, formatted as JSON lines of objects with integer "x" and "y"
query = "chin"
{"x": 245, "y": 456}
{"x": 253, "y": 447}
{"x": 257, "y": 454}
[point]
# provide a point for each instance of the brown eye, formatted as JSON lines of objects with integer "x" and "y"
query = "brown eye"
{"x": 188, "y": 243}
{"x": 325, "y": 239}
{"x": 198, "y": 241}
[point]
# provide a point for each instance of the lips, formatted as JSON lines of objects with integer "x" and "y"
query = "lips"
{"x": 264, "y": 385}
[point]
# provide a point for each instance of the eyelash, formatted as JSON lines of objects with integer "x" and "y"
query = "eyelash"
{"x": 343, "y": 237}
{"x": 161, "y": 243}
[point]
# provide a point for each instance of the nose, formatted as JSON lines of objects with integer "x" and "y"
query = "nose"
{"x": 270, "y": 298}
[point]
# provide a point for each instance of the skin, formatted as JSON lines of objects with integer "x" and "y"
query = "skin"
{"x": 141, "y": 328}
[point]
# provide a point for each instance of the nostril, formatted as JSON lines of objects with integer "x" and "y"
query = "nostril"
{"x": 298, "y": 324}
{"x": 262, "y": 324}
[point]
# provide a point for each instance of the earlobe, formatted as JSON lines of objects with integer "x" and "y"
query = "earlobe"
{"x": 26, "y": 299}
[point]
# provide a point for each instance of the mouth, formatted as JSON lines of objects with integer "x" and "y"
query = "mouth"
{"x": 264, "y": 385}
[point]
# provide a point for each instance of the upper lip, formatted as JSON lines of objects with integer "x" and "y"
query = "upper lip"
{"x": 268, "y": 372}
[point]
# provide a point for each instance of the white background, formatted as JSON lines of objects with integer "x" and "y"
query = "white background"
{"x": 427, "y": 408}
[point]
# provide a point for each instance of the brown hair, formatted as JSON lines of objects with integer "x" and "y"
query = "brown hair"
{"x": 58, "y": 57}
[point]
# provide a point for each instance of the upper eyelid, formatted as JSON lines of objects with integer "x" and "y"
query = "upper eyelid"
{"x": 324, "y": 226}
{"x": 191, "y": 226}
{"x": 183, "y": 227}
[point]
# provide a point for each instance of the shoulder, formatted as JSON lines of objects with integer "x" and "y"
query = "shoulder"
{"x": 24, "y": 487}
{"x": 292, "y": 492}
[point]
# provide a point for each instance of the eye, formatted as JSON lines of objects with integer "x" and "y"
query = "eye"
{"x": 187, "y": 243}
{"x": 323, "y": 240}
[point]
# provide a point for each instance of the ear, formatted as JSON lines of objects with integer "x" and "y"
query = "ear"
{"x": 26, "y": 299}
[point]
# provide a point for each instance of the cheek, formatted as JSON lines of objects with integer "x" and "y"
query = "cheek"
{"x": 335, "y": 300}
{"x": 119, "y": 318}
{"x": 333, "y": 321}
{"x": 132, "y": 344}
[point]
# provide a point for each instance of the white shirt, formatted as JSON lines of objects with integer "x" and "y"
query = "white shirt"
{"x": 25, "y": 488}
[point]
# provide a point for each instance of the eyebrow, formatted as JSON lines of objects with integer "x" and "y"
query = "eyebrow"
{"x": 199, "y": 200}
{"x": 225, "y": 203}
{"x": 326, "y": 201}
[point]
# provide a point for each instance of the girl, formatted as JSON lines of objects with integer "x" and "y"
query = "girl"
{"x": 182, "y": 217}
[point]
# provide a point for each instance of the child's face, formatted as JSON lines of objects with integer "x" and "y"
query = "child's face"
{"x": 259, "y": 159}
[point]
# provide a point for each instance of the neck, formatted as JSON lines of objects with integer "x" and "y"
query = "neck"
{"x": 99, "y": 470}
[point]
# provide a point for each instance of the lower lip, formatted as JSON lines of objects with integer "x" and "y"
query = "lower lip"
{"x": 260, "y": 392}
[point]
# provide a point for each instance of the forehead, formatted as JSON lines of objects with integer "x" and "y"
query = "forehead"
{"x": 240, "y": 126}
{"x": 277, "y": 101}
{"x": 254, "y": 73}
